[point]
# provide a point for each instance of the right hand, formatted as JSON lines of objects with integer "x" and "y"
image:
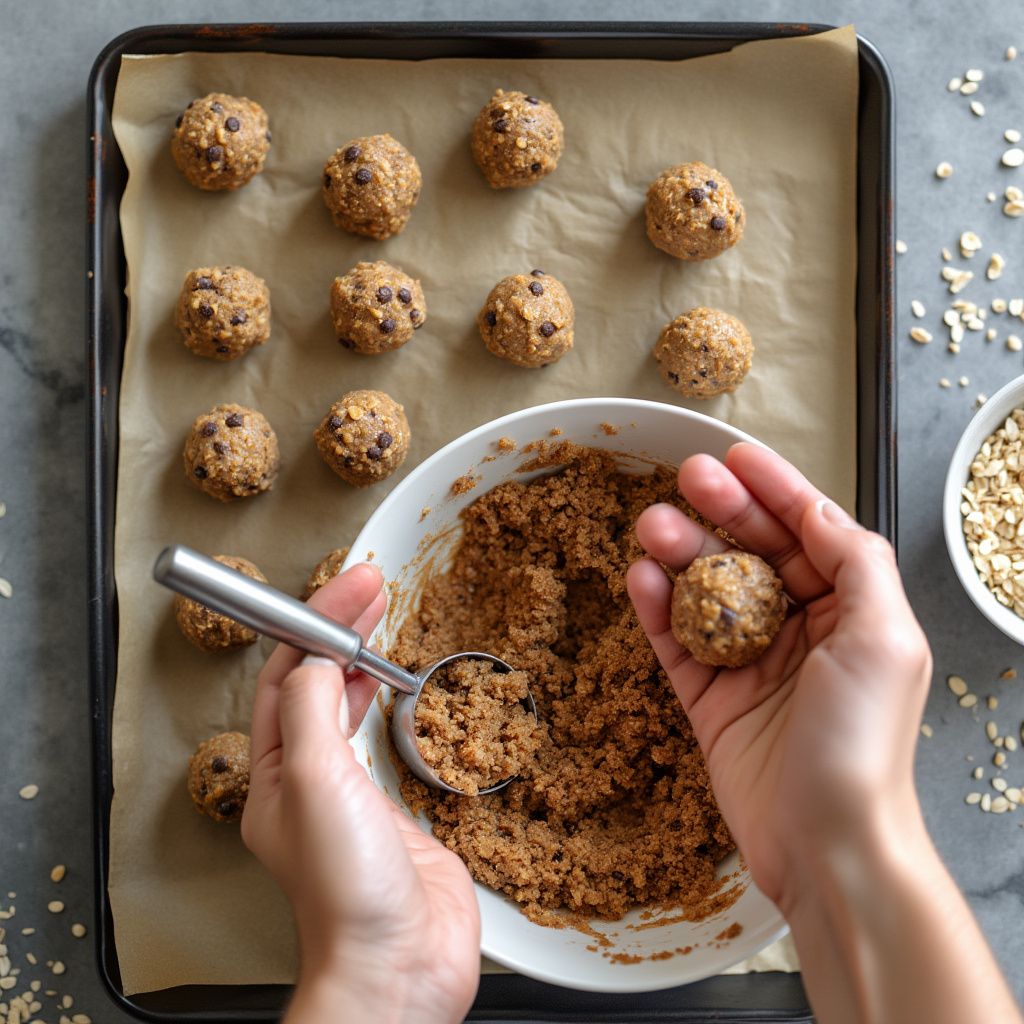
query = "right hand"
{"x": 816, "y": 739}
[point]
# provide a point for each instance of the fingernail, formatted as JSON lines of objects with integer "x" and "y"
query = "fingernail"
{"x": 837, "y": 516}
{"x": 313, "y": 659}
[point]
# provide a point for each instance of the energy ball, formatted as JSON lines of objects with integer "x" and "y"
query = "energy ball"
{"x": 692, "y": 212}
{"x": 231, "y": 452}
{"x": 326, "y": 569}
{"x": 704, "y": 352}
{"x": 527, "y": 319}
{"x": 376, "y": 307}
{"x": 727, "y": 608}
{"x": 218, "y": 776}
{"x": 220, "y": 142}
{"x": 364, "y": 437}
{"x": 371, "y": 185}
{"x": 209, "y": 630}
{"x": 517, "y": 139}
{"x": 223, "y": 311}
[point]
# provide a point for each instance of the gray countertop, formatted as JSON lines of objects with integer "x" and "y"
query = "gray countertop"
{"x": 44, "y": 718}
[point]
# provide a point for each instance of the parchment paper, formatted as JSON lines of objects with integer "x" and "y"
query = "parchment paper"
{"x": 190, "y": 905}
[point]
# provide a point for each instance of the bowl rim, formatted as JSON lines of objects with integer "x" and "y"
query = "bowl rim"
{"x": 620, "y": 983}
{"x": 992, "y": 413}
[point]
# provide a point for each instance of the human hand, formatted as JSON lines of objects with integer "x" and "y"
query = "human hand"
{"x": 816, "y": 739}
{"x": 388, "y": 924}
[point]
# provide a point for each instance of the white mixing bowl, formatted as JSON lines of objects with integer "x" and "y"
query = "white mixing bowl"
{"x": 407, "y": 544}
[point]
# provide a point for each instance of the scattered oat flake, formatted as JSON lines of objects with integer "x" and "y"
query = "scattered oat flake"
{"x": 991, "y": 334}
{"x": 29, "y": 792}
{"x": 946, "y": 254}
{"x": 957, "y": 684}
{"x": 920, "y": 335}
{"x": 944, "y": 170}
{"x": 964, "y": 381}
{"x": 58, "y": 967}
{"x": 968, "y": 88}
{"x": 1011, "y": 53}
{"x": 968, "y": 700}
{"x": 944, "y": 382}
{"x": 55, "y": 907}
{"x": 1011, "y": 135}
{"x": 970, "y": 243}
{"x": 901, "y": 246}
{"x": 999, "y": 759}
{"x": 78, "y": 930}
{"x": 1009, "y": 743}
{"x": 972, "y": 798}
{"x": 58, "y": 872}
{"x": 986, "y": 802}
{"x": 6, "y": 590}
{"x": 991, "y": 703}
{"x": 996, "y": 263}
{"x": 953, "y": 85}
{"x": 991, "y": 197}
{"x": 978, "y": 772}
{"x": 1013, "y": 343}
{"x": 974, "y": 75}
{"x": 977, "y": 108}
{"x": 1008, "y": 673}
{"x": 1013, "y": 157}
{"x": 917, "y": 308}
{"x": 980, "y": 399}
{"x": 1015, "y": 307}
{"x": 926, "y": 731}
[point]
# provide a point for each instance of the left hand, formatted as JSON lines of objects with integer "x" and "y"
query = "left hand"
{"x": 387, "y": 919}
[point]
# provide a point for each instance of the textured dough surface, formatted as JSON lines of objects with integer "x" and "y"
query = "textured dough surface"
{"x": 325, "y": 570}
{"x": 517, "y": 139}
{"x": 528, "y": 319}
{"x": 209, "y": 630}
{"x": 223, "y": 311}
{"x": 364, "y": 437}
{"x": 218, "y": 776}
{"x": 220, "y": 142}
{"x": 728, "y": 608}
{"x": 693, "y": 213}
{"x": 704, "y": 352}
{"x": 231, "y": 452}
{"x": 376, "y": 307}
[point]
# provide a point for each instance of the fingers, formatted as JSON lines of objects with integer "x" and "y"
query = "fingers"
{"x": 354, "y": 598}
{"x": 717, "y": 491}
{"x": 673, "y": 538}
{"x": 311, "y": 710}
{"x": 651, "y": 593}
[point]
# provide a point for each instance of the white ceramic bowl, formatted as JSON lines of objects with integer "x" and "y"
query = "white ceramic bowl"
{"x": 406, "y": 547}
{"x": 986, "y": 421}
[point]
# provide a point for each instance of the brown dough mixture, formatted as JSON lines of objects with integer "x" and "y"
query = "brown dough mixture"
{"x": 472, "y": 727}
{"x": 615, "y": 809}
{"x": 727, "y": 608}
{"x": 209, "y": 630}
{"x": 223, "y": 311}
{"x": 220, "y": 142}
{"x": 326, "y": 569}
{"x": 218, "y": 776}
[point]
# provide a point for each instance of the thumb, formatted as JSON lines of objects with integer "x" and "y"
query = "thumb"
{"x": 313, "y": 707}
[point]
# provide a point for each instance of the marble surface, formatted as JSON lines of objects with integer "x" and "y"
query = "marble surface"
{"x": 44, "y": 711}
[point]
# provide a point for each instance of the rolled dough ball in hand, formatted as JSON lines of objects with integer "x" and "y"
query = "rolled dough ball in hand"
{"x": 727, "y": 608}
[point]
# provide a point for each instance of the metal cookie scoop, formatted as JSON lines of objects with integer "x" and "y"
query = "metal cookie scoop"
{"x": 277, "y": 615}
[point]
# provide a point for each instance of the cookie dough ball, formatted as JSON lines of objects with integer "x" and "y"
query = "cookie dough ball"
{"x": 221, "y": 141}
{"x": 517, "y": 139}
{"x": 218, "y": 776}
{"x": 209, "y": 630}
{"x": 231, "y": 452}
{"x": 704, "y": 352}
{"x": 692, "y": 212}
{"x": 326, "y": 569}
{"x": 223, "y": 311}
{"x": 371, "y": 185}
{"x": 727, "y": 608}
{"x": 527, "y": 319}
{"x": 364, "y": 437}
{"x": 376, "y": 307}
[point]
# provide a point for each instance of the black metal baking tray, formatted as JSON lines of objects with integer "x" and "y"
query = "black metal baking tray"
{"x": 751, "y": 997}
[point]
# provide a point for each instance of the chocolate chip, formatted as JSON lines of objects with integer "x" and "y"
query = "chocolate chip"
{"x": 535, "y": 168}
{"x": 216, "y": 107}
{"x": 208, "y": 429}
{"x": 711, "y": 184}
{"x": 537, "y": 273}
{"x": 214, "y": 153}
{"x": 726, "y": 617}
{"x": 200, "y": 472}
{"x": 387, "y": 325}
{"x": 334, "y": 422}
{"x": 232, "y": 124}
{"x": 219, "y": 764}
{"x": 181, "y": 117}
{"x": 202, "y": 284}
{"x": 222, "y": 349}
{"x": 363, "y": 175}
{"x": 501, "y": 125}
{"x": 547, "y": 328}
{"x": 346, "y": 343}
{"x": 674, "y": 377}
{"x": 235, "y": 419}
{"x": 533, "y": 100}
{"x": 702, "y": 373}
{"x": 220, "y": 448}
{"x": 191, "y": 105}
{"x": 238, "y": 318}
{"x": 414, "y": 315}
{"x": 268, "y": 136}
{"x": 384, "y": 293}
{"x": 717, "y": 223}
{"x": 205, "y": 311}
{"x": 384, "y": 440}
{"x": 696, "y": 195}
{"x": 404, "y": 296}
{"x": 350, "y": 154}
{"x": 491, "y": 317}
{"x": 537, "y": 288}
{"x": 327, "y": 180}
{"x": 374, "y": 453}
{"x": 227, "y": 808}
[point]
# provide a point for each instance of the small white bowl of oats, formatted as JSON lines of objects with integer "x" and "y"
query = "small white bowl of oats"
{"x": 983, "y": 509}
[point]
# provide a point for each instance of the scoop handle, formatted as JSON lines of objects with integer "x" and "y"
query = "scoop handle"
{"x": 266, "y": 610}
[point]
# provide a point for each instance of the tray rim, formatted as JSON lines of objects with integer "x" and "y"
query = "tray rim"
{"x": 231, "y": 37}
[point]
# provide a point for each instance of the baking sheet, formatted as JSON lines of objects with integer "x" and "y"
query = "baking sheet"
{"x": 777, "y": 117}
